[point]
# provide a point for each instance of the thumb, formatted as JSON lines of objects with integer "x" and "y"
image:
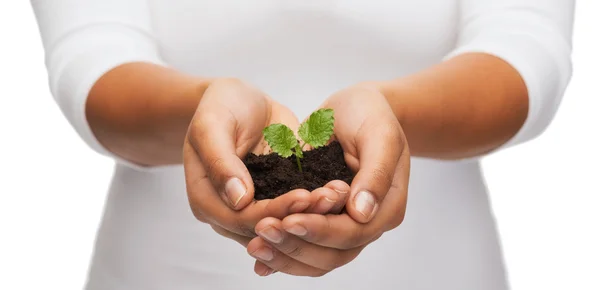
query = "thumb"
{"x": 378, "y": 154}
{"x": 213, "y": 138}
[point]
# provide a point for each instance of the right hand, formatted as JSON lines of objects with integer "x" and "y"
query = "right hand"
{"x": 227, "y": 125}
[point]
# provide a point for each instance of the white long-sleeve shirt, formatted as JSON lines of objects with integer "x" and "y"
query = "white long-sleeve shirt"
{"x": 301, "y": 51}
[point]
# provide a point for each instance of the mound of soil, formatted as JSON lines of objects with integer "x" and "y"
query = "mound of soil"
{"x": 274, "y": 175}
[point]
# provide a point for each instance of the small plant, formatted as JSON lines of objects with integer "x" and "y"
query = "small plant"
{"x": 315, "y": 131}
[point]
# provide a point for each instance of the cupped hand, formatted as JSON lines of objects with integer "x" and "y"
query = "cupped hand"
{"x": 375, "y": 147}
{"x": 227, "y": 125}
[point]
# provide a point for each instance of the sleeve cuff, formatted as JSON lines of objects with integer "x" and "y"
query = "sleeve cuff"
{"x": 545, "y": 76}
{"x": 100, "y": 51}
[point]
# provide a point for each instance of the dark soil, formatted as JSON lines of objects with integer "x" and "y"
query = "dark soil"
{"x": 274, "y": 175}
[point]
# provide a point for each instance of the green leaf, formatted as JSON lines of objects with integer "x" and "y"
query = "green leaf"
{"x": 281, "y": 139}
{"x": 317, "y": 130}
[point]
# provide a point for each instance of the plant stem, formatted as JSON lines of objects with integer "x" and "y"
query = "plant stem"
{"x": 299, "y": 154}
{"x": 298, "y": 162}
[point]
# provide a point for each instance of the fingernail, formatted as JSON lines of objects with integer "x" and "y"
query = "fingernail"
{"x": 299, "y": 206}
{"x": 268, "y": 272}
{"x": 271, "y": 234}
{"x": 364, "y": 202}
{"x": 341, "y": 193}
{"x": 297, "y": 230}
{"x": 324, "y": 205}
{"x": 235, "y": 190}
{"x": 264, "y": 254}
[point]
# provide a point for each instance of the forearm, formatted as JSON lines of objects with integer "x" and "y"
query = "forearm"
{"x": 141, "y": 112}
{"x": 464, "y": 107}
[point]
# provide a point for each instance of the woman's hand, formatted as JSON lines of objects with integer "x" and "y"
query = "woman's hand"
{"x": 375, "y": 147}
{"x": 227, "y": 125}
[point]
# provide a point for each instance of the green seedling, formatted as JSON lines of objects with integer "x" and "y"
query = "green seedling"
{"x": 315, "y": 131}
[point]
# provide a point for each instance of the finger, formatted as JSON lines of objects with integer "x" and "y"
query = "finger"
{"x": 397, "y": 197}
{"x": 212, "y": 135}
{"x": 271, "y": 231}
{"x": 242, "y": 240}
{"x": 262, "y": 270}
{"x": 379, "y": 157}
{"x": 342, "y": 231}
{"x": 329, "y": 199}
{"x": 343, "y": 191}
{"x": 331, "y": 231}
{"x": 244, "y": 221}
{"x": 206, "y": 204}
{"x": 277, "y": 261}
{"x": 295, "y": 201}
{"x": 323, "y": 200}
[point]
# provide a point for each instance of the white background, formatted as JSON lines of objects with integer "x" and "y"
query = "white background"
{"x": 546, "y": 193}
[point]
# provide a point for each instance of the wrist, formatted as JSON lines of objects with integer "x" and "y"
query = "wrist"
{"x": 393, "y": 91}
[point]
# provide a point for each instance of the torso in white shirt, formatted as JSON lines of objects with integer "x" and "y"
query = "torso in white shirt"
{"x": 299, "y": 52}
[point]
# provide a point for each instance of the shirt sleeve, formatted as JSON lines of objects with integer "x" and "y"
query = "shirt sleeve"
{"x": 533, "y": 36}
{"x": 84, "y": 39}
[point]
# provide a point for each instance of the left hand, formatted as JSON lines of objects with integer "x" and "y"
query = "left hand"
{"x": 375, "y": 147}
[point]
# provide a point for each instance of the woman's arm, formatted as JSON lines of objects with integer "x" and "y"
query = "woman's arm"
{"x": 503, "y": 83}
{"x": 110, "y": 82}
{"x": 462, "y": 108}
{"x": 141, "y": 112}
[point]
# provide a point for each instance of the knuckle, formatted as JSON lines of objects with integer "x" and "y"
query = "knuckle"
{"x": 286, "y": 266}
{"x": 216, "y": 165}
{"x": 294, "y": 251}
{"x": 243, "y": 229}
{"x": 381, "y": 175}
